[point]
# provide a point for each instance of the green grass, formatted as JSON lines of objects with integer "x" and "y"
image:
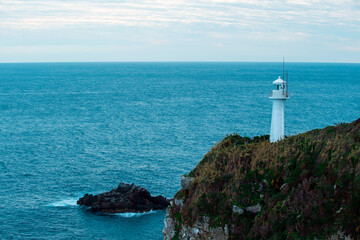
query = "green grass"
{"x": 236, "y": 169}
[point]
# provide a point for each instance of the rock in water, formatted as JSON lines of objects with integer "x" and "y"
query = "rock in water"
{"x": 124, "y": 198}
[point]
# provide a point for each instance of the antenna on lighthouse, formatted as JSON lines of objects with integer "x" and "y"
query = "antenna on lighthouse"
{"x": 283, "y": 74}
{"x": 283, "y": 68}
{"x": 287, "y": 79}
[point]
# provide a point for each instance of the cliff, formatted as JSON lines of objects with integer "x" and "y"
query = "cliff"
{"x": 306, "y": 186}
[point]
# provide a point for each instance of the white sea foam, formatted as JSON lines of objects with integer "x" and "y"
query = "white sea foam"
{"x": 131, "y": 214}
{"x": 64, "y": 203}
{"x": 71, "y": 202}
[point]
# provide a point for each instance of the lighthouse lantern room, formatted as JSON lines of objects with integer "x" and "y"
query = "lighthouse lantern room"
{"x": 278, "y": 95}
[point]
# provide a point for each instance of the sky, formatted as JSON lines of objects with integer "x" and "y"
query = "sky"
{"x": 179, "y": 30}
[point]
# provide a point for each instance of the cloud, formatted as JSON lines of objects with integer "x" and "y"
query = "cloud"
{"x": 37, "y": 14}
{"x": 350, "y": 47}
{"x": 48, "y": 30}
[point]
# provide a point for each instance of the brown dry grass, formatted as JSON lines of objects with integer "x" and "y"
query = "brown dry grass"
{"x": 321, "y": 170}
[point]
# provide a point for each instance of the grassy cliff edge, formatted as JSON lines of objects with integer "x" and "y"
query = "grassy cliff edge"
{"x": 306, "y": 186}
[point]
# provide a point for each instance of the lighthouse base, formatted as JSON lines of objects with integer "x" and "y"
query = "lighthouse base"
{"x": 277, "y": 120}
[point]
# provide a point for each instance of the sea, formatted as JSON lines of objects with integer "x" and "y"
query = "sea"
{"x": 67, "y": 129}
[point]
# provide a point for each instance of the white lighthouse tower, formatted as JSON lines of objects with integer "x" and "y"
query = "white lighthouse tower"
{"x": 278, "y": 95}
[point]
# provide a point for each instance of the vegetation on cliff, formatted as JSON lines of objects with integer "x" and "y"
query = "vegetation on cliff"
{"x": 308, "y": 185}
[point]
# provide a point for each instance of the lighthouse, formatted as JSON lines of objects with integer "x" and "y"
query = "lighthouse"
{"x": 278, "y": 95}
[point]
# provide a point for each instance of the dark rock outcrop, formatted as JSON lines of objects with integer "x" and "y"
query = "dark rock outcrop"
{"x": 124, "y": 198}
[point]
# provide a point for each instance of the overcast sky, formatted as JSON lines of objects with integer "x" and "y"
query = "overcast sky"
{"x": 179, "y": 30}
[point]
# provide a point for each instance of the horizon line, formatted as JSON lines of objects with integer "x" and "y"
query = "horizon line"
{"x": 30, "y": 62}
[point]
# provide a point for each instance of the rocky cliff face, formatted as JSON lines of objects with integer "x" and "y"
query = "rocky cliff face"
{"x": 306, "y": 186}
{"x": 174, "y": 229}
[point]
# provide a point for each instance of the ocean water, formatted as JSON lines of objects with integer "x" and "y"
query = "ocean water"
{"x": 67, "y": 129}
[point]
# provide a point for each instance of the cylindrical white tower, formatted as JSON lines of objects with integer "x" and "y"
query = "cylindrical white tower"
{"x": 278, "y": 96}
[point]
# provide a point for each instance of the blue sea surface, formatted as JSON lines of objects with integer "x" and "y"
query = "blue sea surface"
{"x": 67, "y": 129}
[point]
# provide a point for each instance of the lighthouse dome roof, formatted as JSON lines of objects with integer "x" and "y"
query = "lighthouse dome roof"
{"x": 279, "y": 81}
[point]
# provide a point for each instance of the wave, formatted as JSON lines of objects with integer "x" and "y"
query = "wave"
{"x": 64, "y": 203}
{"x": 132, "y": 214}
{"x": 71, "y": 202}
